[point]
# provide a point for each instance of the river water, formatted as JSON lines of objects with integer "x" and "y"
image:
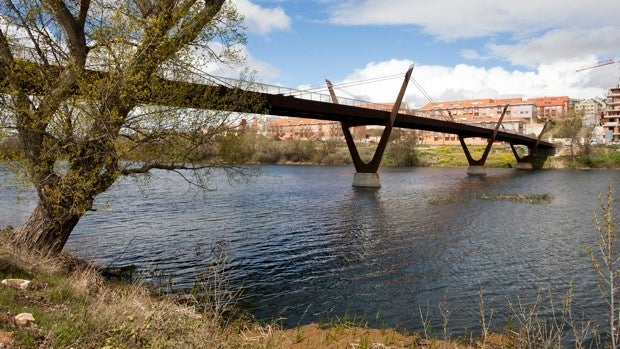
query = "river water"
{"x": 305, "y": 246}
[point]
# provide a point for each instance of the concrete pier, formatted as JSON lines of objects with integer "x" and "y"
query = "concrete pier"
{"x": 525, "y": 166}
{"x": 475, "y": 170}
{"x": 366, "y": 180}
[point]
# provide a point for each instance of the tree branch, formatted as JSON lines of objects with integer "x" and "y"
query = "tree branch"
{"x": 81, "y": 19}
{"x": 193, "y": 26}
{"x": 160, "y": 166}
{"x": 145, "y": 7}
{"x": 73, "y": 28}
{"x": 6, "y": 55}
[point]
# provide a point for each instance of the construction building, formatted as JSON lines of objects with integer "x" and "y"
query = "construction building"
{"x": 611, "y": 117}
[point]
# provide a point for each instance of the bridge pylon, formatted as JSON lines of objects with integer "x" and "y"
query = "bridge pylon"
{"x": 366, "y": 175}
{"x": 477, "y": 167}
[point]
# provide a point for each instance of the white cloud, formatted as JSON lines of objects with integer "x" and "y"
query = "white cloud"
{"x": 530, "y": 32}
{"x": 449, "y": 19}
{"x": 262, "y": 20}
{"x": 557, "y": 45}
{"x": 548, "y": 39}
{"x": 471, "y": 54}
{"x": 467, "y": 81}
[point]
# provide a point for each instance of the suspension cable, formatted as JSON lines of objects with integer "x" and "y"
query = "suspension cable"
{"x": 319, "y": 88}
{"x": 431, "y": 100}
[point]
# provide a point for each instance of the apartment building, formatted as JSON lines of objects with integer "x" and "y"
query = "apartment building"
{"x": 480, "y": 110}
{"x": 521, "y": 115}
{"x": 591, "y": 107}
{"x": 611, "y": 117}
{"x": 592, "y": 110}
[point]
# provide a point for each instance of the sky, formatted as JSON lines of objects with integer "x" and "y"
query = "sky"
{"x": 460, "y": 49}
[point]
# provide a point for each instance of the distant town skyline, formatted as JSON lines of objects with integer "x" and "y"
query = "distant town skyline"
{"x": 461, "y": 49}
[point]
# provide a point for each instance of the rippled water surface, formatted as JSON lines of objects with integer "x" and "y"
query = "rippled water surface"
{"x": 301, "y": 240}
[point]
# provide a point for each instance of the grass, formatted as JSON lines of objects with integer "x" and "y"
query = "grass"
{"x": 530, "y": 199}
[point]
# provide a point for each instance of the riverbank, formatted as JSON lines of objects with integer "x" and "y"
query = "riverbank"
{"x": 66, "y": 303}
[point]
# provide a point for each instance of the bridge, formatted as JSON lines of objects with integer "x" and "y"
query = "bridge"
{"x": 280, "y": 101}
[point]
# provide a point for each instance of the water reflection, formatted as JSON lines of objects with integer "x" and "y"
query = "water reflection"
{"x": 360, "y": 221}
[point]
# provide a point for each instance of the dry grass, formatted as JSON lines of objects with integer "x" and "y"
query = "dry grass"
{"x": 355, "y": 337}
{"x": 75, "y": 307}
{"x": 23, "y": 263}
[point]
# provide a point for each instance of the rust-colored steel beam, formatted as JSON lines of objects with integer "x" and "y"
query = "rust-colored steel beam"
{"x": 487, "y": 150}
{"x": 373, "y": 165}
{"x": 346, "y": 130}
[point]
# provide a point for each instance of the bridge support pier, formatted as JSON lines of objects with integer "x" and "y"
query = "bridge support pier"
{"x": 525, "y": 166}
{"x": 366, "y": 175}
{"x": 534, "y": 160}
{"x": 476, "y": 167}
{"x": 366, "y": 180}
{"x": 475, "y": 170}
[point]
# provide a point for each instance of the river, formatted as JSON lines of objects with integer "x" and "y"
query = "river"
{"x": 306, "y": 246}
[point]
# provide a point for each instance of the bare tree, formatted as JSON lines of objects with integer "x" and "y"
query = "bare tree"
{"x": 77, "y": 77}
{"x": 572, "y": 127}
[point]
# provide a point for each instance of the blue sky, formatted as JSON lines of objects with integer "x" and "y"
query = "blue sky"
{"x": 461, "y": 48}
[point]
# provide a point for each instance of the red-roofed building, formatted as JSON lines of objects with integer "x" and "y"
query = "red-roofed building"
{"x": 551, "y": 108}
{"x": 474, "y": 110}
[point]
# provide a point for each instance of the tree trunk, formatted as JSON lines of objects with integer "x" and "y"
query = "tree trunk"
{"x": 45, "y": 233}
